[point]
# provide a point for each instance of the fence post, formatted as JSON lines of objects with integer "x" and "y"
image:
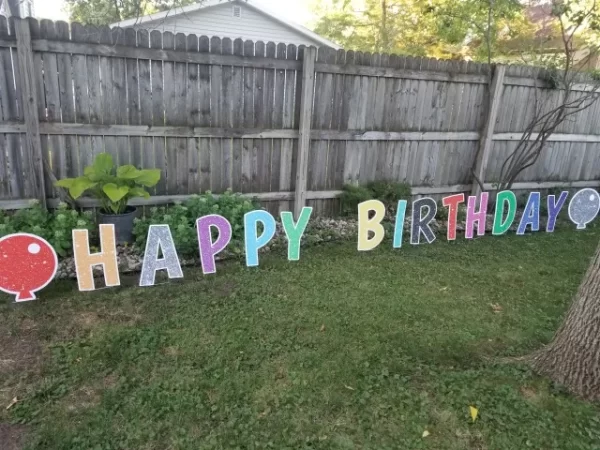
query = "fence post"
{"x": 487, "y": 138}
{"x": 306, "y": 109}
{"x": 33, "y": 145}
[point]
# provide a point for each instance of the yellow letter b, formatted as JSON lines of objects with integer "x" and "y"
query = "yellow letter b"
{"x": 366, "y": 225}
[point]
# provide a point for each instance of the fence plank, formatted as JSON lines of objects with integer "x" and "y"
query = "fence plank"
{"x": 260, "y": 112}
{"x": 237, "y": 97}
{"x": 38, "y": 63}
{"x": 70, "y": 157}
{"x": 158, "y": 110}
{"x": 33, "y": 158}
{"x": 82, "y": 99}
{"x": 205, "y": 115}
{"x": 146, "y": 104}
{"x": 13, "y": 181}
{"x": 348, "y": 120}
{"x": 227, "y": 106}
{"x": 119, "y": 96}
{"x": 277, "y": 121}
{"x": 338, "y": 148}
{"x": 485, "y": 146}
{"x": 322, "y": 115}
{"x": 248, "y": 149}
{"x": 94, "y": 89}
{"x": 308, "y": 79}
{"x": 171, "y": 116}
{"x": 180, "y": 155}
{"x": 286, "y": 169}
{"x": 216, "y": 120}
{"x": 193, "y": 118}
{"x": 133, "y": 98}
{"x": 272, "y": 164}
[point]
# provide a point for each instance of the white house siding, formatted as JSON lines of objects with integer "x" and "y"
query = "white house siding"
{"x": 26, "y": 7}
{"x": 219, "y": 21}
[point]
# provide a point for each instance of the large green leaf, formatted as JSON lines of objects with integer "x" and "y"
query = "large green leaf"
{"x": 79, "y": 186}
{"x": 128, "y": 172}
{"x": 115, "y": 193}
{"x": 103, "y": 164}
{"x": 91, "y": 173}
{"x": 65, "y": 183}
{"x": 148, "y": 177}
{"x": 139, "y": 192}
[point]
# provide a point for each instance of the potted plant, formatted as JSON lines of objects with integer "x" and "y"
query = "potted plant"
{"x": 113, "y": 187}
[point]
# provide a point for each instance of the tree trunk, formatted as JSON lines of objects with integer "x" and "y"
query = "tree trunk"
{"x": 384, "y": 31}
{"x": 573, "y": 357}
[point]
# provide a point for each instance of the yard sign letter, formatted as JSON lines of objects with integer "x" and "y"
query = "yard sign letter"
{"x": 374, "y": 224}
{"x": 208, "y": 248}
{"x": 252, "y": 241}
{"x": 85, "y": 261}
{"x": 294, "y": 232}
{"x": 159, "y": 239}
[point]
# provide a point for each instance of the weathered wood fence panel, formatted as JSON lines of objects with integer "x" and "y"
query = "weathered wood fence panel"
{"x": 289, "y": 125}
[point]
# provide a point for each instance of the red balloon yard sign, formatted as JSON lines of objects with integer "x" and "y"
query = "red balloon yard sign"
{"x": 28, "y": 263}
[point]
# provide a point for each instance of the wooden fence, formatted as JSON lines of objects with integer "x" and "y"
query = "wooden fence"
{"x": 289, "y": 125}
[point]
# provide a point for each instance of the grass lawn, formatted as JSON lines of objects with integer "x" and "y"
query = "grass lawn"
{"x": 341, "y": 350}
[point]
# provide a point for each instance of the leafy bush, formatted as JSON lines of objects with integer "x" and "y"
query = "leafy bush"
{"x": 182, "y": 217}
{"x": 112, "y": 186}
{"x": 351, "y": 196}
{"x": 442, "y": 211}
{"x": 55, "y": 226}
{"x": 388, "y": 192}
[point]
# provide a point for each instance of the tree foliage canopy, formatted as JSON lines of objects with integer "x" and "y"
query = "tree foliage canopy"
{"x": 477, "y": 29}
{"x": 104, "y": 12}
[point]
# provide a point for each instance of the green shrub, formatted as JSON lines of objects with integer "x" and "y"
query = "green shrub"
{"x": 351, "y": 196}
{"x": 442, "y": 211}
{"x": 182, "y": 217}
{"x": 56, "y": 226}
{"x": 388, "y": 192}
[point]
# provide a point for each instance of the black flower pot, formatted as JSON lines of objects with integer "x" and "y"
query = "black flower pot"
{"x": 123, "y": 224}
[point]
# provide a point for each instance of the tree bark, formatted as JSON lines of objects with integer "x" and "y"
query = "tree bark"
{"x": 573, "y": 357}
{"x": 384, "y": 31}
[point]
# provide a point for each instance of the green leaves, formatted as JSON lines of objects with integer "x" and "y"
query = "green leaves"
{"x": 103, "y": 164}
{"x": 112, "y": 186}
{"x": 139, "y": 192}
{"x": 433, "y": 28}
{"x": 127, "y": 172}
{"x": 148, "y": 177}
{"x": 182, "y": 217}
{"x": 103, "y": 12}
{"x": 115, "y": 193}
{"x": 55, "y": 226}
{"x": 76, "y": 186}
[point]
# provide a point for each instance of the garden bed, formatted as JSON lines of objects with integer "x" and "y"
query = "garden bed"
{"x": 56, "y": 227}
